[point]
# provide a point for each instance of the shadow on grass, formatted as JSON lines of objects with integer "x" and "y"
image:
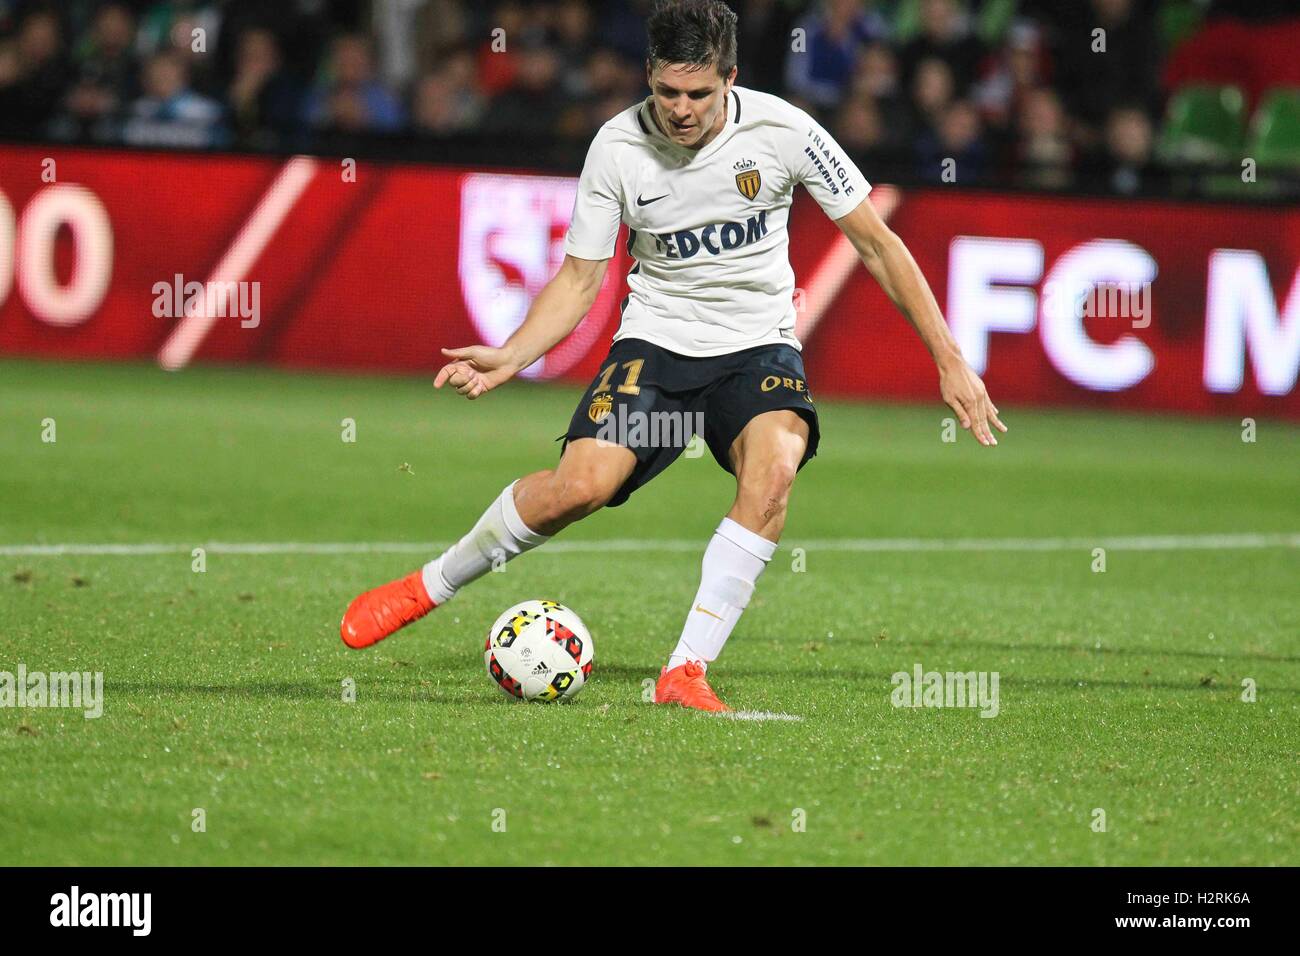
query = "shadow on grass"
{"x": 882, "y": 678}
{"x": 398, "y": 691}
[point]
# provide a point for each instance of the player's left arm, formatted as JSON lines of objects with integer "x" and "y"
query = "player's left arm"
{"x": 890, "y": 264}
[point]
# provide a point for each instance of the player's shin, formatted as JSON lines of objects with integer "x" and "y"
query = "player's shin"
{"x": 499, "y": 536}
{"x": 732, "y": 564}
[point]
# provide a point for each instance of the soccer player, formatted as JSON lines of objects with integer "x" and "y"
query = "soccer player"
{"x": 702, "y": 172}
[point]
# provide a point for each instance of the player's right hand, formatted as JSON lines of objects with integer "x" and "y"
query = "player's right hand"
{"x": 476, "y": 369}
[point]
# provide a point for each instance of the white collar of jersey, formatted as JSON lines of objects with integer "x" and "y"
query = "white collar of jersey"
{"x": 645, "y": 117}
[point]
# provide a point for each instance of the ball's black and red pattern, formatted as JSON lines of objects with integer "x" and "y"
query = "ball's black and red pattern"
{"x": 508, "y": 684}
{"x": 563, "y": 636}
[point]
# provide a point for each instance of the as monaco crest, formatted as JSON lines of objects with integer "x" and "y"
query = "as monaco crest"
{"x": 511, "y": 243}
{"x": 748, "y": 180}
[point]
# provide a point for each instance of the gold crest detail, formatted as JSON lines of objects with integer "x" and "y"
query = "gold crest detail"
{"x": 749, "y": 183}
{"x": 600, "y": 406}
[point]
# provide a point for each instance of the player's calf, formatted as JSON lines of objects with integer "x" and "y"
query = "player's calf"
{"x": 525, "y": 515}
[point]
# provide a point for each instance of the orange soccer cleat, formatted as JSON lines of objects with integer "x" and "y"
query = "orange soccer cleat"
{"x": 685, "y": 685}
{"x": 388, "y": 608}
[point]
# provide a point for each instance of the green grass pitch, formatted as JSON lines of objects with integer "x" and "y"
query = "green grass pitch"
{"x": 1120, "y": 691}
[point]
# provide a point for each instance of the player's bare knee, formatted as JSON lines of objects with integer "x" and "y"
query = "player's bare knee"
{"x": 535, "y": 499}
{"x": 764, "y": 492}
{"x": 781, "y": 475}
{"x": 583, "y": 493}
{"x": 770, "y": 481}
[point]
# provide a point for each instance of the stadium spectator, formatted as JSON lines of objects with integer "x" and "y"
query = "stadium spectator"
{"x": 443, "y": 25}
{"x": 263, "y": 97}
{"x": 552, "y": 71}
{"x": 933, "y": 88}
{"x": 189, "y": 28}
{"x": 170, "y": 24}
{"x": 514, "y": 30}
{"x": 532, "y": 106}
{"x": 860, "y": 128}
{"x": 35, "y": 74}
{"x": 622, "y": 27}
{"x": 399, "y": 34}
{"x": 1044, "y": 152}
{"x": 106, "y": 71}
{"x": 876, "y": 72}
{"x": 447, "y": 100}
{"x": 763, "y": 42}
{"x": 609, "y": 74}
{"x": 1125, "y": 166}
{"x": 956, "y": 137}
{"x": 461, "y": 65}
{"x": 412, "y": 36}
{"x": 610, "y": 84}
{"x": 876, "y": 76}
{"x": 819, "y": 69}
{"x": 572, "y": 43}
{"x": 434, "y": 107}
{"x": 169, "y": 113}
{"x": 1015, "y": 70}
{"x": 11, "y": 72}
{"x": 350, "y": 99}
{"x": 945, "y": 36}
{"x": 1089, "y": 78}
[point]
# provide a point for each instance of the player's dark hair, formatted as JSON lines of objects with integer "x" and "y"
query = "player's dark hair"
{"x": 701, "y": 33}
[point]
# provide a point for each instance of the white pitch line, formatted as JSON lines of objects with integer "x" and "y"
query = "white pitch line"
{"x": 249, "y": 244}
{"x": 758, "y": 715}
{"x": 1167, "y": 542}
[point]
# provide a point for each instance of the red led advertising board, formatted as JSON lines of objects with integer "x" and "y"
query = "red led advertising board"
{"x": 308, "y": 262}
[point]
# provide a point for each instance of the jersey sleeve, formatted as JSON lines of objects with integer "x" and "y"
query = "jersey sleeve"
{"x": 598, "y": 208}
{"x": 825, "y": 170}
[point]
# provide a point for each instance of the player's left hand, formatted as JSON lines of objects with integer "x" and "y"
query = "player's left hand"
{"x": 475, "y": 369}
{"x": 964, "y": 393}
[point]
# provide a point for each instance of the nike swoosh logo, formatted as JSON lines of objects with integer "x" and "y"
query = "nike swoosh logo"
{"x": 646, "y": 202}
{"x": 707, "y": 611}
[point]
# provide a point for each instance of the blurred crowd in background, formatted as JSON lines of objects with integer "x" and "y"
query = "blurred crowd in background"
{"x": 1016, "y": 91}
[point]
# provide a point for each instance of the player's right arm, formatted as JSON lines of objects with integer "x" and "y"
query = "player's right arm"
{"x": 556, "y": 312}
{"x": 560, "y": 306}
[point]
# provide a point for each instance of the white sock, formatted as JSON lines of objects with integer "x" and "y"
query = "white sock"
{"x": 499, "y": 536}
{"x": 733, "y": 561}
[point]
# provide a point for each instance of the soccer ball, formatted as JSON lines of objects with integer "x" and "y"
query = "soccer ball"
{"x": 539, "y": 650}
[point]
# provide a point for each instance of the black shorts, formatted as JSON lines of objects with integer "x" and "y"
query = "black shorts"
{"x": 652, "y": 401}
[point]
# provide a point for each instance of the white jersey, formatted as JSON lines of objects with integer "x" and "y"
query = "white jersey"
{"x": 707, "y": 227}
